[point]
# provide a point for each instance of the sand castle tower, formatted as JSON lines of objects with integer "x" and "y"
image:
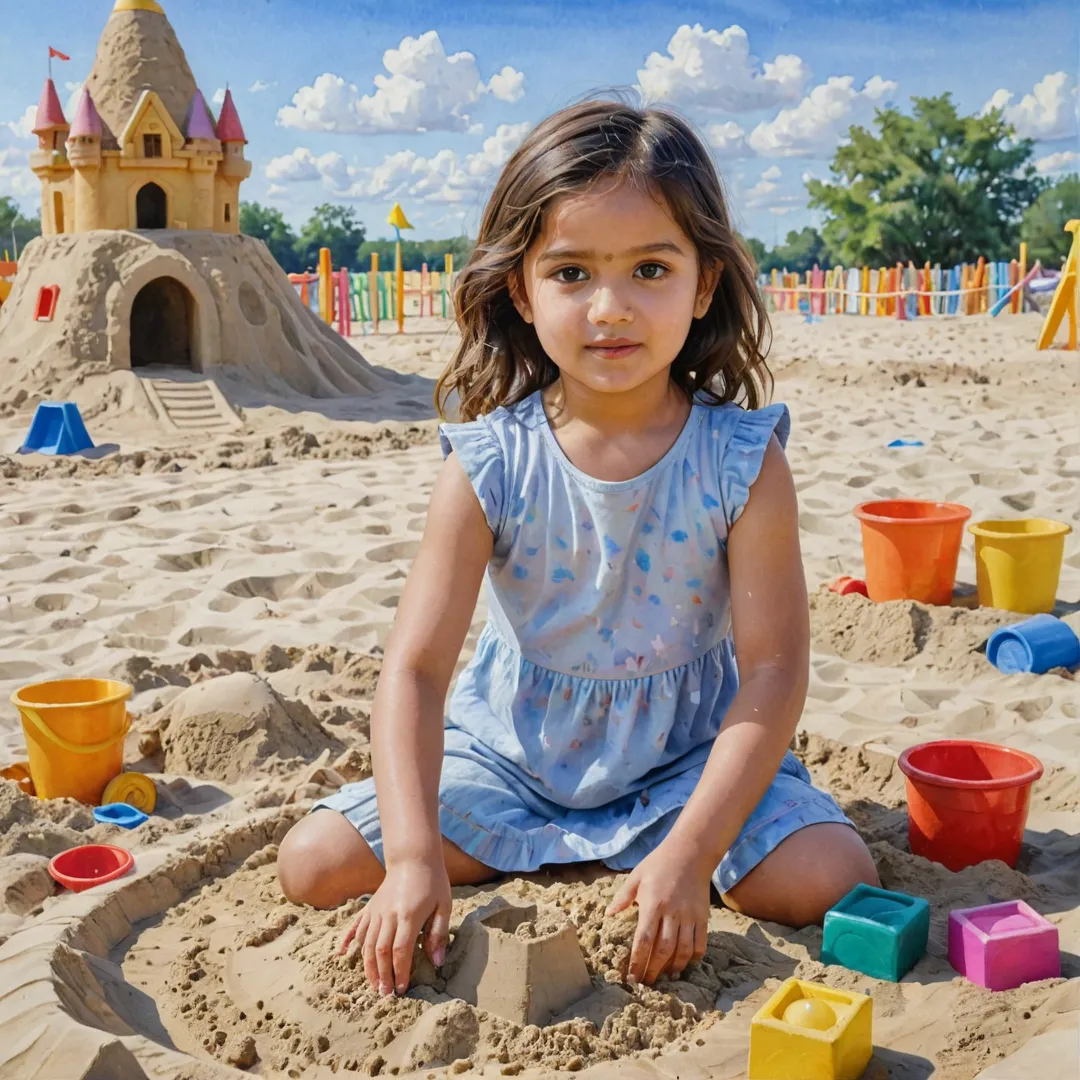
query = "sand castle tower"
{"x": 141, "y": 268}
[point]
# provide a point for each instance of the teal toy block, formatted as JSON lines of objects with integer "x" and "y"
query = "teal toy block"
{"x": 877, "y": 932}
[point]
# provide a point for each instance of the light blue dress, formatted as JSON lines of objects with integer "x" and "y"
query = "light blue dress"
{"x": 581, "y": 725}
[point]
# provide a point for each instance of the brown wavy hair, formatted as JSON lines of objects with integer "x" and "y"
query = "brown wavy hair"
{"x": 499, "y": 360}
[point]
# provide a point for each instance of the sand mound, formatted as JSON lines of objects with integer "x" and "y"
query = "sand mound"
{"x": 33, "y": 827}
{"x": 88, "y": 346}
{"x": 237, "y": 727}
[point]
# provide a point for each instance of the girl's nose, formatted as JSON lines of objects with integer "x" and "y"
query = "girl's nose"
{"x": 607, "y": 307}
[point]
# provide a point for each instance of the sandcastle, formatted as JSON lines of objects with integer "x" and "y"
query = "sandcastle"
{"x": 141, "y": 268}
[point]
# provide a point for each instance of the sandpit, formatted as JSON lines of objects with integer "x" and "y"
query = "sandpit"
{"x": 277, "y": 558}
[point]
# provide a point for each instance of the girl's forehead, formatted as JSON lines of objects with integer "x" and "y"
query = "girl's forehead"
{"x": 613, "y": 217}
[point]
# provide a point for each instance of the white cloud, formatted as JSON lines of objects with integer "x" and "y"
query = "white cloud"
{"x": 761, "y": 194}
{"x": 219, "y": 96}
{"x": 74, "y": 90}
{"x": 276, "y": 191}
{"x": 23, "y": 128}
{"x": 425, "y": 90}
{"x": 16, "y": 179}
{"x": 714, "y": 70}
{"x": 1056, "y": 162}
{"x": 1048, "y": 112}
{"x": 259, "y": 86}
{"x": 815, "y": 126}
{"x": 728, "y": 140}
{"x": 442, "y": 179}
{"x": 507, "y": 85}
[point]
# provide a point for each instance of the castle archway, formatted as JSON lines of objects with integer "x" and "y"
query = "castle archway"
{"x": 151, "y": 207}
{"x": 162, "y": 322}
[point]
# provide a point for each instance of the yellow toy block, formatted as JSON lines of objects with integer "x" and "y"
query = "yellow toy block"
{"x": 811, "y": 1032}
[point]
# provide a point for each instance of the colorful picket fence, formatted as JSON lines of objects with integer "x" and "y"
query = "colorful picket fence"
{"x": 903, "y": 292}
{"x": 370, "y": 297}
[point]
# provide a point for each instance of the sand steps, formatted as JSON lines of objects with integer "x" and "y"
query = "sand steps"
{"x": 191, "y": 405}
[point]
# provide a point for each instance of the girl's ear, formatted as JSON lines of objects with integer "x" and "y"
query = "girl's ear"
{"x": 516, "y": 284}
{"x": 710, "y": 279}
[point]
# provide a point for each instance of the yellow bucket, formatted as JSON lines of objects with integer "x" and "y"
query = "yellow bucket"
{"x": 1018, "y": 563}
{"x": 74, "y": 731}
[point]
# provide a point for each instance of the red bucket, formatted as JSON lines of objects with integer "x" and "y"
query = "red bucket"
{"x": 967, "y": 801}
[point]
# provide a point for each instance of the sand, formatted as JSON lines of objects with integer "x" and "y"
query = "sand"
{"x": 245, "y": 586}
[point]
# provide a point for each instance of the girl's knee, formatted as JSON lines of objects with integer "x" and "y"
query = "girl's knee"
{"x": 323, "y": 861}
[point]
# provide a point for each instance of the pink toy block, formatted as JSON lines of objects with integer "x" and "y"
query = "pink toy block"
{"x": 1000, "y": 946}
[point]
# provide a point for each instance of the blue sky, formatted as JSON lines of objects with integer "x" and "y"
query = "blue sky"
{"x": 366, "y": 103}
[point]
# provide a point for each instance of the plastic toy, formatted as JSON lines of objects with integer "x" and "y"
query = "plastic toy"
{"x": 127, "y": 817}
{"x": 1018, "y": 563}
{"x": 19, "y": 773}
{"x": 57, "y": 428}
{"x": 811, "y": 1032}
{"x": 1066, "y": 302}
{"x": 74, "y": 730}
{"x": 48, "y": 296}
{"x": 84, "y": 867}
{"x": 1036, "y": 645}
{"x": 905, "y": 442}
{"x": 1000, "y": 946}
{"x": 877, "y": 932}
{"x": 845, "y": 586}
{"x": 911, "y": 548}
{"x": 967, "y": 801}
{"x": 132, "y": 788}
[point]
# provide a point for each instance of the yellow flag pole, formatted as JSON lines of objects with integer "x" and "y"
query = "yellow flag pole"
{"x": 399, "y": 221}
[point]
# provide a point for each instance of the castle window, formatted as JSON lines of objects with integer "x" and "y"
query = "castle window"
{"x": 228, "y": 211}
{"x": 151, "y": 146}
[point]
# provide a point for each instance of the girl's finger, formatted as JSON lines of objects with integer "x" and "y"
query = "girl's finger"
{"x": 438, "y": 931}
{"x": 701, "y": 942}
{"x": 684, "y": 950}
{"x": 384, "y": 955}
{"x": 625, "y": 896}
{"x": 356, "y": 933}
{"x": 403, "y": 948}
{"x": 371, "y": 967}
{"x": 644, "y": 938}
{"x": 663, "y": 948}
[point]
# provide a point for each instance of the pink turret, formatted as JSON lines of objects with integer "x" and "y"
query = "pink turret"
{"x": 87, "y": 123}
{"x": 229, "y": 128}
{"x": 50, "y": 114}
{"x": 199, "y": 124}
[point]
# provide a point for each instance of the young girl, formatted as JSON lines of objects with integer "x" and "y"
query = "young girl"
{"x": 638, "y": 531}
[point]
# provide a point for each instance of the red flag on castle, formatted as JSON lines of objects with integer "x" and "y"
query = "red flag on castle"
{"x": 59, "y": 56}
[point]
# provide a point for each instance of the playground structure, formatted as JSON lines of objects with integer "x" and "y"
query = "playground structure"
{"x": 1066, "y": 301}
{"x": 8, "y": 270}
{"x": 906, "y": 292}
{"x": 341, "y": 297}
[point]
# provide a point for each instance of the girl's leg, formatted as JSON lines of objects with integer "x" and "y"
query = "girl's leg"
{"x": 323, "y": 861}
{"x": 804, "y": 876}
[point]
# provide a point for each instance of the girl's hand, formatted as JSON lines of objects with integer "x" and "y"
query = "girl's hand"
{"x": 672, "y": 896}
{"x": 414, "y": 896}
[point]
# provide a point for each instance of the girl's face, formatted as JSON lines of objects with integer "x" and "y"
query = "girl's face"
{"x": 612, "y": 284}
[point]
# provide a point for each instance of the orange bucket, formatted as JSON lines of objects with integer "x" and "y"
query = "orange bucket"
{"x": 74, "y": 731}
{"x": 911, "y": 548}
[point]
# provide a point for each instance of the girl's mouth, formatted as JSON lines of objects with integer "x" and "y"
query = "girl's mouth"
{"x": 614, "y": 352}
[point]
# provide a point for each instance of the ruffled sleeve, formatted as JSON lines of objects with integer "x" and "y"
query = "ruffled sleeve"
{"x": 481, "y": 457}
{"x": 745, "y": 451}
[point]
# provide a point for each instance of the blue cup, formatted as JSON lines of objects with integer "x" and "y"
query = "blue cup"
{"x": 1036, "y": 645}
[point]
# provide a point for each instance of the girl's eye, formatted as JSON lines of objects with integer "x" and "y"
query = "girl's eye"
{"x": 656, "y": 271}
{"x": 569, "y": 270}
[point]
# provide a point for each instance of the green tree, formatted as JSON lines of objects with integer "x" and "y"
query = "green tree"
{"x": 801, "y": 251}
{"x": 268, "y": 225}
{"x": 414, "y": 253}
{"x": 333, "y": 227}
{"x": 1044, "y": 222}
{"x": 758, "y": 251}
{"x": 16, "y": 231}
{"x": 934, "y": 185}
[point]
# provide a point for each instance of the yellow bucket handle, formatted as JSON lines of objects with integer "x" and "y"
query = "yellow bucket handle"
{"x": 70, "y": 747}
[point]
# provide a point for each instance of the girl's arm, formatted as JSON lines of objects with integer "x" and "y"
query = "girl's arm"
{"x": 771, "y": 626}
{"x": 432, "y": 620}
